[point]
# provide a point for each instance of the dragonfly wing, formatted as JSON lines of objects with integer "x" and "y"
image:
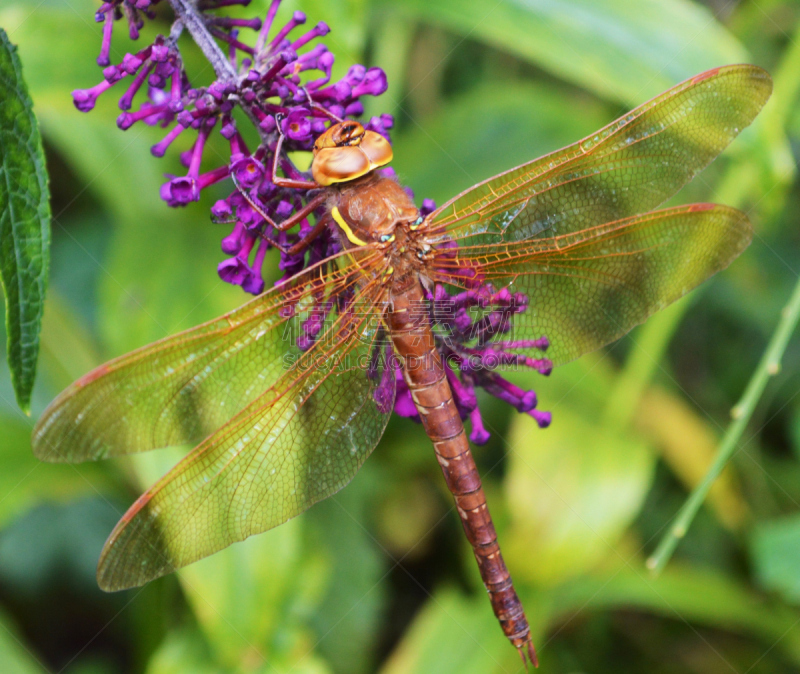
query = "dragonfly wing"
{"x": 631, "y": 166}
{"x": 589, "y": 288}
{"x": 182, "y": 388}
{"x": 296, "y": 443}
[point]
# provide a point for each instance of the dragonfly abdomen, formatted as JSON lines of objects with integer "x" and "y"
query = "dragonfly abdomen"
{"x": 424, "y": 373}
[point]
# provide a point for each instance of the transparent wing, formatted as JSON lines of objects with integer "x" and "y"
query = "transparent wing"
{"x": 629, "y": 167}
{"x": 182, "y": 388}
{"x": 297, "y": 442}
{"x": 590, "y": 287}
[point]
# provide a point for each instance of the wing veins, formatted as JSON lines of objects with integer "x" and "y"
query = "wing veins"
{"x": 244, "y": 419}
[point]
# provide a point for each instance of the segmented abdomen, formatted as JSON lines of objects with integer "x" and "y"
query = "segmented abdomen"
{"x": 423, "y": 372}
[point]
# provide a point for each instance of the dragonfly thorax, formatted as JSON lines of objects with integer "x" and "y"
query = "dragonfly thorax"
{"x": 370, "y": 210}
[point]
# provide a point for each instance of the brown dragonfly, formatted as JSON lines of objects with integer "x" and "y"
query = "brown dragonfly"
{"x": 282, "y": 422}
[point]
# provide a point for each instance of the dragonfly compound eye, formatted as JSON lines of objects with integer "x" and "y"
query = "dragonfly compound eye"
{"x": 348, "y": 133}
{"x": 337, "y": 163}
{"x": 343, "y": 134}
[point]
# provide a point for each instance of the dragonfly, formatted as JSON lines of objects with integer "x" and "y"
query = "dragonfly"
{"x": 285, "y": 397}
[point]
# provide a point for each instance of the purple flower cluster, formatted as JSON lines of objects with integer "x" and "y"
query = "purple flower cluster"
{"x": 270, "y": 82}
{"x": 469, "y": 324}
{"x": 284, "y": 87}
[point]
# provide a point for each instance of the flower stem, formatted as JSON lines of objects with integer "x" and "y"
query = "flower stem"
{"x": 186, "y": 11}
{"x": 768, "y": 367}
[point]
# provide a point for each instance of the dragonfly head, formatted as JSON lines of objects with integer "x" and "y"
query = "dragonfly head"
{"x": 348, "y": 151}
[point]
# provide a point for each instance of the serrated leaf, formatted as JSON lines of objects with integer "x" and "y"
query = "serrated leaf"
{"x": 179, "y": 248}
{"x": 24, "y": 223}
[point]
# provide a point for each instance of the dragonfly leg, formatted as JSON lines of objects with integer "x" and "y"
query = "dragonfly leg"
{"x": 294, "y": 219}
{"x": 318, "y": 108}
{"x": 300, "y": 215}
{"x": 288, "y": 182}
{"x": 291, "y": 221}
{"x": 305, "y": 242}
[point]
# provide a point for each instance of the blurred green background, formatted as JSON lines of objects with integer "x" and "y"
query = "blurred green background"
{"x": 379, "y": 578}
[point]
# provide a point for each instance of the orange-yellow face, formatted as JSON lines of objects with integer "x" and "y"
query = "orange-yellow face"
{"x": 347, "y": 151}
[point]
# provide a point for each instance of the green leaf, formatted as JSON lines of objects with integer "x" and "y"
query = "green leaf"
{"x": 181, "y": 651}
{"x": 355, "y": 597}
{"x": 24, "y": 223}
{"x": 572, "y": 492}
{"x": 775, "y": 549}
{"x": 24, "y": 479}
{"x": 601, "y": 45}
{"x": 251, "y": 599}
{"x": 487, "y": 131}
{"x": 454, "y": 634}
{"x": 14, "y": 656}
{"x": 700, "y": 596}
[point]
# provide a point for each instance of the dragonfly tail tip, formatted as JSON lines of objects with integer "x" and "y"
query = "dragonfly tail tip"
{"x": 528, "y": 654}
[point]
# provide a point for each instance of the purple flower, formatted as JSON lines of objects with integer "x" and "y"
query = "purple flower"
{"x": 428, "y": 207}
{"x": 403, "y": 403}
{"x": 297, "y": 125}
{"x": 354, "y": 75}
{"x": 85, "y": 99}
{"x": 237, "y": 271}
{"x": 234, "y": 242}
{"x": 468, "y": 329}
{"x": 249, "y": 172}
{"x": 374, "y": 84}
{"x": 471, "y": 353}
{"x": 381, "y": 125}
{"x": 180, "y": 191}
